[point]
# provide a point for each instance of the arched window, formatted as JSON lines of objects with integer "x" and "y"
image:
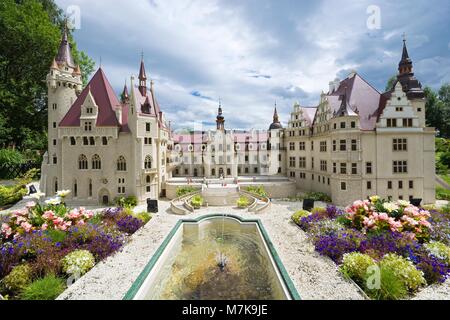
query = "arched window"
{"x": 90, "y": 187}
{"x": 121, "y": 164}
{"x": 55, "y": 185}
{"x": 82, "y": 162}
{"x": 148, "y": 179}
{"x": 55, "y": 159}
{"x": 148, "y": 162}
{"x": 96, "y": 162}
{"x": 75, "y": 188}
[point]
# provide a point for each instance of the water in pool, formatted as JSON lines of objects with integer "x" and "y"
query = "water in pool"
{"x": 218, "y": 259}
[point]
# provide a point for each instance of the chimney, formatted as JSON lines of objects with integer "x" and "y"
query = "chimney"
{"x": 337, "y": 82}
{"x": 330, "y": 87}
{"x": 118, "y": 111}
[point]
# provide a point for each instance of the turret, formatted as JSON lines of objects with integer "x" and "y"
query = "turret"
{"x": 142, "y": 79}
{"x": 411, "y": 86}
{"x": 276, "y": 124}
{"x": 220, "y": 120}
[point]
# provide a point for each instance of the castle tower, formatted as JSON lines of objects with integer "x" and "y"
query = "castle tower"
{"x": 64, "y": 82}
{"x": 220, "y": 120}
{"x": 410, "y": 85}
{"x": 142, "y": 78}
{"x": 276, "y": 124}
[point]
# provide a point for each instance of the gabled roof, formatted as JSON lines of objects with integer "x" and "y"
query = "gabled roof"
{"x": 106, "y": 101}
{"x": 309, "y": 114}
{"x": 363, "y": 99}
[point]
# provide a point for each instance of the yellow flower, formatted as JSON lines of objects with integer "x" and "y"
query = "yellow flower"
{"x": 374, "y": 199}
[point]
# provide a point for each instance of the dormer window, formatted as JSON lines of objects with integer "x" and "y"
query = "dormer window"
{"x": 399, "y": 109}
{"x": 88, "y": 126}
{"x": 407, "y": 123}
{"x": 89, "y": 110}
{"x": 391, "y": 123}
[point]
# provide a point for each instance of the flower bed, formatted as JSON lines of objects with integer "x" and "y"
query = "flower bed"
{"x": 44, "y": 247}
{"x": 390, "y": 249}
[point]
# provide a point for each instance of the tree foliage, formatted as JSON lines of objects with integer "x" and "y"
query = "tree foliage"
{"x": 30, "y": 32}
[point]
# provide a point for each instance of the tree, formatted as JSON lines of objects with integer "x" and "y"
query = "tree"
{"x": 390, "y": 83}
{"x": 432, "y": 109}
{"x": 31, "y": 32}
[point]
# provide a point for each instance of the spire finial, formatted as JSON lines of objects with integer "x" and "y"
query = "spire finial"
{"x": 142, "y": 55}
{"x": 404, "y": 37}
{"x": 100, "y": 62}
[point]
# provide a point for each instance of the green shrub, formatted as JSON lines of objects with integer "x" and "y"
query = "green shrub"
{"x": 197, "y": 201}
{"x": 297, "y": 216}
{"x": 47, "y": 288}
{"x": 258, "y": 190}
{"x": 439, "y": 250}
{"x": 19, "y": 277}
{"x": 11, "y": 157}
{"x": 56, "y": 235}
{"x": 318, "y": 196}
{"x": 442, "y": 194}
{"x": 96, "y": 219}
{"x": 392, "y": 287}
{"x": 181, "y": 191}
{"x": 144, "y": 216}
{"x": 11, "y": 194}
{"x": 129, "y": 202}
{"x": 405, "y": 270}
{"x": 243, "y": 202}
{"x": 78, "y": 262}
{"x": 355, "y": 265}
{"x": 319, "y": 210}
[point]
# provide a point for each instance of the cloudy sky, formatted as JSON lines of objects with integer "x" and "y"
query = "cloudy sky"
{"x": 251, "y": 53}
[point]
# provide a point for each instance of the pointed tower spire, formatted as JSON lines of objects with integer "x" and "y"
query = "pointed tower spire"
{"x": 64, "y": 55}
{"x": 125, "y": 95}
{"x": 142, "y": 77}
{"x": 405, "y": 65}
{"x": 410, "y": 85}
{"x": 276, "y": 124}
{"x": 220, "y": 120}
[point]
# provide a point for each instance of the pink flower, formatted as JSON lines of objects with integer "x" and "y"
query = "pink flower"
{"x": 383, "y": 216}
{"x": 81, "y": 223}
{"x": 48, "y": 215}
{"x": 88, "y": 214}
{"x": 20, "y": 219}
{"x": 44, "y": 227}
{"x": 74, "y": 215}
{"x": 26, "y": 226}
{"x": 19, "y": 213}
{"x": 425, "y": 223}
{"x": 58, "y": 221}
{"x": 6, "y": 230}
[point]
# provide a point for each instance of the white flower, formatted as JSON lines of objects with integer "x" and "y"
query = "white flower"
{"x": 37, "y": 195}
{"x": 53, "y": 201}
{"x": 403, "y": 203}
{"x": 389, "y": 206}
{"x": 63, "y": 193}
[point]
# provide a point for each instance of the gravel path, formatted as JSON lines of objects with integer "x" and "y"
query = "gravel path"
{"x": 315, "y": 277}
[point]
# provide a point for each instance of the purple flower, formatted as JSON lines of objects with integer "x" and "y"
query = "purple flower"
{"x": 129, "y": 224}
{"x": 336, "y": 245}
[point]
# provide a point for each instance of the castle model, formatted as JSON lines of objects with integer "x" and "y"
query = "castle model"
{"x": 357, "y": 142}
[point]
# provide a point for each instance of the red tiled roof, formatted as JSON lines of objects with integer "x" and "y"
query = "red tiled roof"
{"x": 106, "y": 101}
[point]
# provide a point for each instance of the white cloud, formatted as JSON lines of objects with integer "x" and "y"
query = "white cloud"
{"x": 217, "y": 48}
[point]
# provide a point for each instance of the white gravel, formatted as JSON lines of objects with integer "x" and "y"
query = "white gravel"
{"x": 314, "y": 276}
